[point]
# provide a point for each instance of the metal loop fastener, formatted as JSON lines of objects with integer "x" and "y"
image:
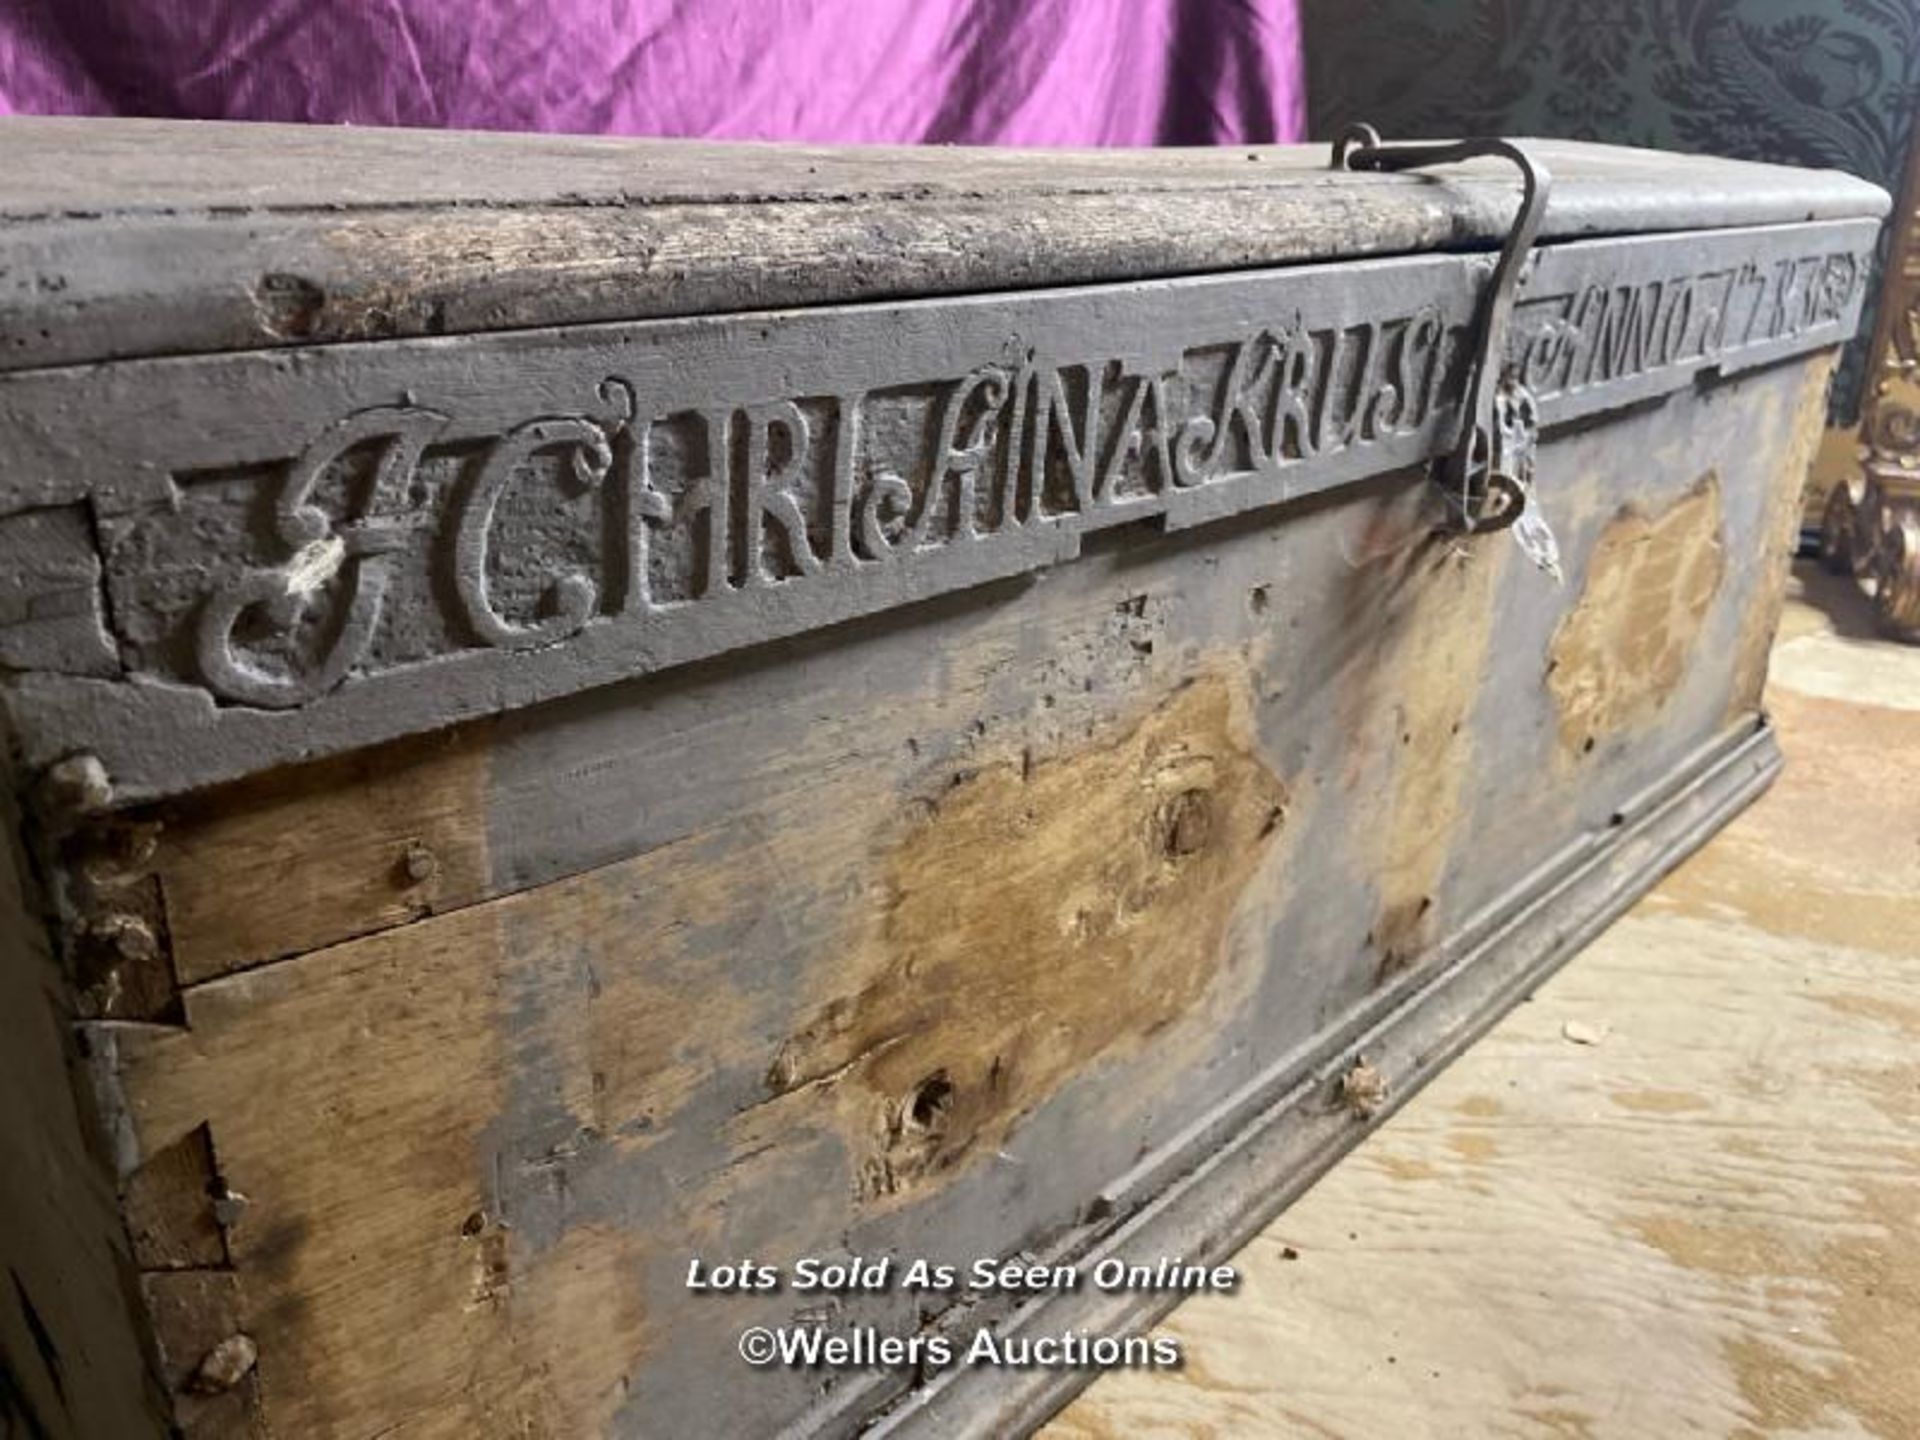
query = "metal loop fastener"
{"x": 1485, "y": 481}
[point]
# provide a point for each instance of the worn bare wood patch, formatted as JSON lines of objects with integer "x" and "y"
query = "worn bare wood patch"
{"x": 296, "y": 859}
{"x": 1805, "y": 420}
{"x": 1734, "y": 1168}
{"x": 371, "y": 1264}
{"x": 411, "y": 1250}
{"x": 1626, "y": 644}
{"x": 1042, "y": 915}
{"x": 459, "y": 1077}
{"x": 1425, "y": 606}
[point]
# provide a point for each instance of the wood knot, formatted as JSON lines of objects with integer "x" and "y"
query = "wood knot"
{"x": 289, "y": 306}
{"x": 1186, "y": 823}
{"x": 927, "y": 1108}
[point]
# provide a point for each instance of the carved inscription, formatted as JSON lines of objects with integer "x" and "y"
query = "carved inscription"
{"x": 697, "y": 504}
{"x": 1612, "y": 331}
{"x": 388, "y": 542}
{"x": 356, "y": 553}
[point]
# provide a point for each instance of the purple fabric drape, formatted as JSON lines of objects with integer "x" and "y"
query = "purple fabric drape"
{"x": 1029, "y": 72}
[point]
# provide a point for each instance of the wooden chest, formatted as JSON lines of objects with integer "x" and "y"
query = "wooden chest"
{"x": 589, "y": 719}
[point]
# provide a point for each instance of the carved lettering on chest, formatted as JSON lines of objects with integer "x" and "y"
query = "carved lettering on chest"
{"x": 689, "y": 505}
{"x": 389, "y": 543}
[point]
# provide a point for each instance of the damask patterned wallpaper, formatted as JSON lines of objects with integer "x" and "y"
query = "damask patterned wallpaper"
{"x": 1833, "y": 83}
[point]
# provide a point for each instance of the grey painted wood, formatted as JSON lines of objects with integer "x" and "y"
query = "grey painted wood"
{"x": 136, "y": 238}
{"x": 1269, "y": 1141}
{"x": 226, "y": 166}
{"x": 309, "y": 552}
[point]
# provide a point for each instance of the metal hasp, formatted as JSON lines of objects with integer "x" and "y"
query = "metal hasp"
{"x": 1488, "y": 476}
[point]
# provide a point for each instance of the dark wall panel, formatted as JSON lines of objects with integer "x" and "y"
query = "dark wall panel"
{"x": 1831, "y": 84}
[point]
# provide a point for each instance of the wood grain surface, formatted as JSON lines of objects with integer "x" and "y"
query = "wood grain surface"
{"x": 1678, "y": 1193}
{"x": 143, "y": 237}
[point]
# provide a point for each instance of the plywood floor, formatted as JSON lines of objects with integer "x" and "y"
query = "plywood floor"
{"x": 1705, "y": 1224}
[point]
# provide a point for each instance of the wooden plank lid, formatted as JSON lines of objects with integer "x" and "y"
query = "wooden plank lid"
{"x": 123, "y": 238}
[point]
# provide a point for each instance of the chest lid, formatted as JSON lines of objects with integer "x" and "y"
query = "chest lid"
{"x": 122, "y": 238}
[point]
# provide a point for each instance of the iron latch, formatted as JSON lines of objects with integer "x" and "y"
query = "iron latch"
{"x": 1487, "y": 477}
